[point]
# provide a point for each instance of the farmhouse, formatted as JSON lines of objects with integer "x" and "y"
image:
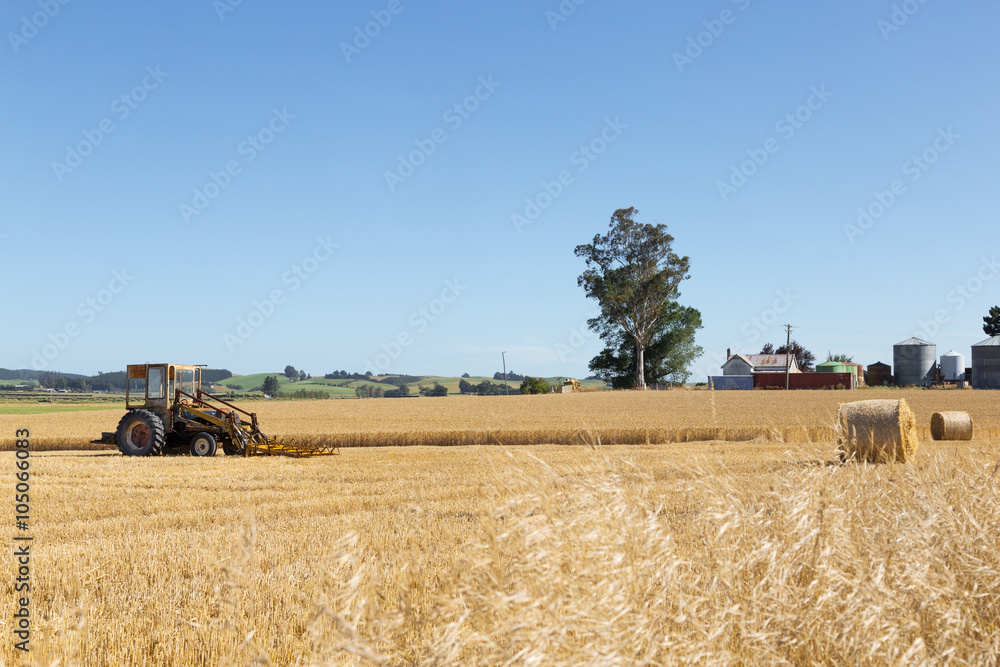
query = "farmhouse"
{"x": 749, "y": 364}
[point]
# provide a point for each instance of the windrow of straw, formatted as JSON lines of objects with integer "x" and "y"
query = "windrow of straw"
{"x": 880, "y": 431}
{"x": 951, "y": 426}
{"x": 527, "y": 436}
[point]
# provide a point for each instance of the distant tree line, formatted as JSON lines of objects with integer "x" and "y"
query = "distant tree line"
{"x": 294, "y": 375}
{"x": 301, "y": 394}
{"x": 484, "y": 388}
{"x": 511, "y": 376}
{"x": 535, "y": 386}
{"x": 344, "y": 375}
{"x": 437, "y": 389}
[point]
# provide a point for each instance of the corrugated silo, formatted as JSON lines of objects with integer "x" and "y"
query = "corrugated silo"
{"x": 833, "y": 367}
{"x": 914, "y": 361}
{"x": 953, "y": 366}
{"x": 986, "y": 364}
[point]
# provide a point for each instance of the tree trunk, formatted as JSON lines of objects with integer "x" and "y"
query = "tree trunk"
{"x": 640, "y": 376}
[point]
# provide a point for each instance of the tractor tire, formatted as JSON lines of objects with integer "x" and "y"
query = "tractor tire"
{"x": 140, "y": 433}
{"x": 231, "y": 448}
{"x": 203, "y": 444}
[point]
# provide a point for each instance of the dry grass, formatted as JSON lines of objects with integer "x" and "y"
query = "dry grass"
{"x": 616, "y": 417}
{"x": 745, "y": 553}
{"x": 715, "y": 553}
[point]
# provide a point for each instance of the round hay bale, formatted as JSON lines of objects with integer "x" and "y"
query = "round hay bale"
{"x": 879, "y": 431}
{"x": 951, "y": 426}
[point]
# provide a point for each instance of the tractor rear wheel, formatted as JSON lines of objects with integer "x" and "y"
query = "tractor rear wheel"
{"x": 140, "y": 433}
{"x": 203, "y": 444}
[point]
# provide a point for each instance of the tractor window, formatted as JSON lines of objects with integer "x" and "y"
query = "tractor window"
{"x": 187, "y": 381}
{"x": 137, "y": 390}
{"x": 155, "y": 382}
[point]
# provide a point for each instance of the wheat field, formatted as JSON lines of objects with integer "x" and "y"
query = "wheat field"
{"x": 613, "y": 417}
{"x": 751, "y": 553}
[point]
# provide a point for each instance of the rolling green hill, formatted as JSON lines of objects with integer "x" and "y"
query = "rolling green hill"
{"x": 336, "y": 388}
{"x": 344, "y": 388}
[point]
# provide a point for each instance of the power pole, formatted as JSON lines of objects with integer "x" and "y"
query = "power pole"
{"x": 788, "y": 352}
{"x": 506, "y": 388}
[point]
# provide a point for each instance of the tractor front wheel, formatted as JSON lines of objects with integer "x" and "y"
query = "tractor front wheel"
{"x": 140, "y": 433}
{"x": 203, "y": 444}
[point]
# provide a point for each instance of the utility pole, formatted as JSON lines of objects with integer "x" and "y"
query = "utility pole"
{"x": 506, "y": 388}
{"x": 788, "y": 352}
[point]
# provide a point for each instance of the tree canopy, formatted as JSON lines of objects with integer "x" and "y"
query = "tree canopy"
{"x": 667, "y": 357}
{"x": 803, "y": 357}
{"x": 633, "y": 273}
{"x": 991, "y": 323}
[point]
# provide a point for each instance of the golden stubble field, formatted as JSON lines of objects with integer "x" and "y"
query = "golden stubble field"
{"x": 615, "y": 417}
{"x": 713, "y": 552}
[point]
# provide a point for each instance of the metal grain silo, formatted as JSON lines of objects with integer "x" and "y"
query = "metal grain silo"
{"x": 986, "y": 364}
{"x": 914, "y": 361}
{"x": 953, "y": 366}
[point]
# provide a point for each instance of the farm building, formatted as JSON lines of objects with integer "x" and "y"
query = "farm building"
{"x": 915, "y": 361}
{"x": 749, "y": 364}
{"x": 859, "y": 373}
{"x": 805, "y": 381}
{"x": 986, "y": 364}
{"x": 833, "y": 367}
{"x": 857, "y": 370}
{"x": 879, "y": 374}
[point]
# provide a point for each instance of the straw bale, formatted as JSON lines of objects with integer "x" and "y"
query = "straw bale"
{"x": 951, "y": 426}
{"x": 879, "y": 431}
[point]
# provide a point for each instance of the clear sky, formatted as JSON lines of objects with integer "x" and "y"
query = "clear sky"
{"x": 249, "y": 185}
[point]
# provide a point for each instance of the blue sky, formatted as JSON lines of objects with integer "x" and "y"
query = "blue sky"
{"x": 259, "y": 184}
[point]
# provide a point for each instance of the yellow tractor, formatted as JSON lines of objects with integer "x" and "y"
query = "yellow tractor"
{"x": 167, "y": 410}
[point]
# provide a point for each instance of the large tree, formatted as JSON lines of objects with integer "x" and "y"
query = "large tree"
{"x": 633, "y": 273}
{"x": 803, "y": 357}
{"x": 666, "y": 358}
{"x": 271, "y": 386}
{"x": 991, "y": 323}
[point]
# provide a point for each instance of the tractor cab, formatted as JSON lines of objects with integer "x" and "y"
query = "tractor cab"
{"x": 153, "y": 386}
